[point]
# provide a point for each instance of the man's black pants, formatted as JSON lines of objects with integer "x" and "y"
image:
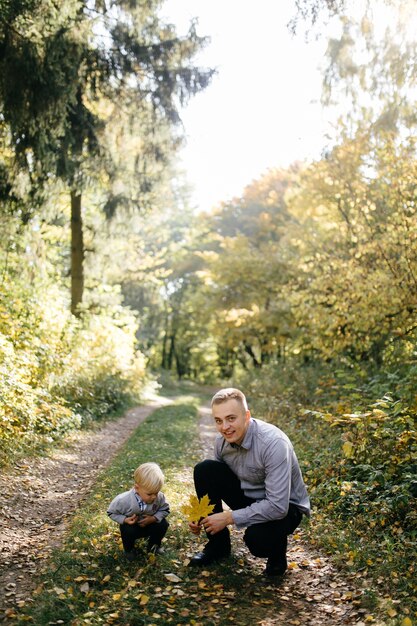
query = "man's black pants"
{"x": 265, "y": 540}
{"x": 154, "y": 532}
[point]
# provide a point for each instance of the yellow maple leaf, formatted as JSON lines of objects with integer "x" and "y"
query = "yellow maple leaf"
{"x": 197, "y": 509}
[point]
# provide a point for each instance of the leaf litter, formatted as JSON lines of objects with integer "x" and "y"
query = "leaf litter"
{"x": 38, "y": 496}
{"x": 313, "y": 592}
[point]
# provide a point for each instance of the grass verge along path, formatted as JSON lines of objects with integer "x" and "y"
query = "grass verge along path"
{"x": 89, "y": 581}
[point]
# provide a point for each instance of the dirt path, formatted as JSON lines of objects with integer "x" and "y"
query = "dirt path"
{"x": 312, "y": 592}
{"x": 38, "y": 498}
{"x": 39, "y": 495}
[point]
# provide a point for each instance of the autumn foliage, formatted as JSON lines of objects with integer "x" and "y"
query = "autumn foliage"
{"x": 197, "y": 508}
{"x": 58, "y": 373}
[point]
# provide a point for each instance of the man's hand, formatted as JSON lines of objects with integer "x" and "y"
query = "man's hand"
{"x": 215, "y": 523}
{"x": 131, "y": 520}
{"x": 146, "y": 520}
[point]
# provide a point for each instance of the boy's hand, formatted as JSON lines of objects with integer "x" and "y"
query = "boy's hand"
{"x": 146, "y": 520}
{"x": 132, "y": 519}
{"x": 194, "y": 527}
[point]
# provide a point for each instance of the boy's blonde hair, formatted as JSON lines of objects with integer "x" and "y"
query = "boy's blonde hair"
{"x": 230, "y": 393}
{"x": 149, "y": 476}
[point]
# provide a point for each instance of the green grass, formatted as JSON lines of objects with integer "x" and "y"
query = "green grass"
{"x": 93, "y": 555}
{"x": 89, "y": 582}
{"x": 172, "y": 387}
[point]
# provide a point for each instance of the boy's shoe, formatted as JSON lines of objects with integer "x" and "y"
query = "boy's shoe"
{"x": 155, "y": 549}
{"x": 130, "y": 555}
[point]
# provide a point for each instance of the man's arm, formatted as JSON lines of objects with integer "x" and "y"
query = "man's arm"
{"x": 278, "y": 467}
{"x": 216, "y": 522}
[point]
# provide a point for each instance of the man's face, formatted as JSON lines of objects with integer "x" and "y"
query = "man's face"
{"x": 232, "y": 420}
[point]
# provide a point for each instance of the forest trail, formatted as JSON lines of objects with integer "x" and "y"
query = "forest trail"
{"x": 39, "y": 497}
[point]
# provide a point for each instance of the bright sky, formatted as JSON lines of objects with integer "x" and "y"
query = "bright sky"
{"x": 262, "y": 109}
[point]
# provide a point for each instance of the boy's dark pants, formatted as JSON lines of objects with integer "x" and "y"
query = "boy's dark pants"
{"x": 265, "y": 540}
{"x": 154, "y": 532}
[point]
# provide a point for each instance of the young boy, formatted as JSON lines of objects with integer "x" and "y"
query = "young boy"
{"x": 142, "y": 510}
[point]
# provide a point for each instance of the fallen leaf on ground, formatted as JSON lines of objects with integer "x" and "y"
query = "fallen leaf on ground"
{"x": 173, "y": 578}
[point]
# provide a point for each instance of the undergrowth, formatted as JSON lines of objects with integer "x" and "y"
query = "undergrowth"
{"x": 59, "y": 373}
{"x": 358, "y": 453}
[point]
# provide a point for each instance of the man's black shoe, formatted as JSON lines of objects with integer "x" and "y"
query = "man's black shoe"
{"x": 202, "y": 559}
{"x": 275, "y": 568}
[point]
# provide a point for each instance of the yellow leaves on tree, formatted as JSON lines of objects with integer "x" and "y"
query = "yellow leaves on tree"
{"x": 197, "y": 509}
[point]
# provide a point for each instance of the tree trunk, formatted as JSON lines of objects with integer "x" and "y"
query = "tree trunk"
{"x": 181, "y": 371}
{"x": 77, "y": 253}
{"x": 171, "y": 352}
{"x": 164, "y": 357}
{"x": 248, "y": 350}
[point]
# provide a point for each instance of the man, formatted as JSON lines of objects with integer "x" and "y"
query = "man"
{"x": 256, "y": 473}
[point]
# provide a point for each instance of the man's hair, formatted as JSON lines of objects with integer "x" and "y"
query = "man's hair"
{"x": 149, "y": 476}
{"x": 229, "y": 394}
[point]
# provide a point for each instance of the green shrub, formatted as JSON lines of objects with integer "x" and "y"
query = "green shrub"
{"x": 102, "y": 371}
{"x": 378, "y": 474}
{"x": 58, "y": 372}
{"x": 358, "y": 454}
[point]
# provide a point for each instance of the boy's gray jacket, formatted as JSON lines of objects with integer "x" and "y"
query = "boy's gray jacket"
{"x": 126, "y": 504}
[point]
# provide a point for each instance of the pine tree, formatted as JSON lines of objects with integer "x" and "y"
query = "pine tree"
{"x": 59, "y": 61}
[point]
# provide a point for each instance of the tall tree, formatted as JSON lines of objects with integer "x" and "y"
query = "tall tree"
{"x": 311, "y": 11}
{"x": 73, "y": 58}
{"x": 354, "y": 283}
{"x": 247, "y": 268}
{"x": 358, "y": 276}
